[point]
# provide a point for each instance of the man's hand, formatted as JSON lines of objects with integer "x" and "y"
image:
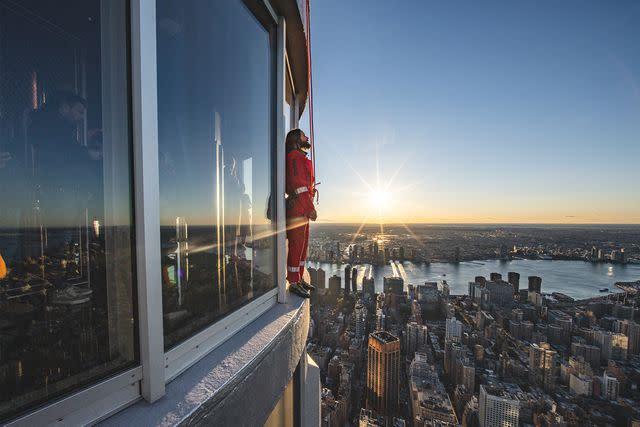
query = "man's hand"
{"x": 313, "y": 215}
{"x": 5, "y": 157}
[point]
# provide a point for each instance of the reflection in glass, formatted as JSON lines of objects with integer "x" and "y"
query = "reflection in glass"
{"x": 66, "y": 289}
{"x": 215, "y": 136}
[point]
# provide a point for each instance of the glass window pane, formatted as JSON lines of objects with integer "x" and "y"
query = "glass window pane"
{"x": 66, "y": 268}
{"x": 215, "y": 136}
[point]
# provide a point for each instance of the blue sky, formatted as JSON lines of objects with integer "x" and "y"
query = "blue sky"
{"x": 483, "y": 111}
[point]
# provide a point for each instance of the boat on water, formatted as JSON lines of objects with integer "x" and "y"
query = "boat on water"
{"x": 604, "y": 290}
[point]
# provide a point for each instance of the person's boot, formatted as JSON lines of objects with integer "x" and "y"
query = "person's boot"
{"x": 307, "y": 286}
{"x": 299, "y": 290}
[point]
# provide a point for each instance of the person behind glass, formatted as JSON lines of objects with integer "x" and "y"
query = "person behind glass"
{"x": 300, "y": 190}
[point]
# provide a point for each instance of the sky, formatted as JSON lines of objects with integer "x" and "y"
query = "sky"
{"x": 477, "y": 112}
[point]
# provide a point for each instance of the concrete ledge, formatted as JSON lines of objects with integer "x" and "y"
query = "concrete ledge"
{"x": 236, "y": 384}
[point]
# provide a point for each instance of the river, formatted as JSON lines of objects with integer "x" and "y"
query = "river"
{"x": 577, "y": 279}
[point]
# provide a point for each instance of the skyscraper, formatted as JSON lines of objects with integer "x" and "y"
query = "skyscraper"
{"x": 321, "y": 279}
{"x": 368, "y": 286}
{"x": 535, "y": 284}
{"x": 514, "y": 279}
{"x": 313, "y": 275}
{"x": 453, "y": 328}
{"x": 335, "y": 285}
{"x": 498, "y": 406}
{"x": 610, "y": 387}
{"x": 543, "y": 365}
{"x": 347, "y": 278}
{"x": 494, "y": 277}
{"x": 383, "y": 373}
{"x": 634, "y": 338}
{"x": 354, "y": 280}
{"x": 415, "y": 337}
{"x": 393, "y": 285}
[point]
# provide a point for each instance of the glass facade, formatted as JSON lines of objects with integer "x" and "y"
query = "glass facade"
{"x": 215, "y": 136}
{"x": 67, "y": 295}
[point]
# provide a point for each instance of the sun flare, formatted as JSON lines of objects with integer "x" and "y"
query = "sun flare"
{"x": 379, "y": 199}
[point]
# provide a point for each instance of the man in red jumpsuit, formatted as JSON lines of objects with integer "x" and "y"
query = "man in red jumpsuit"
{"x": 300, "y": 190}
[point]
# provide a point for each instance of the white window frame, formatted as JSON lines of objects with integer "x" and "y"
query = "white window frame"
{"x": 157, "y": 367}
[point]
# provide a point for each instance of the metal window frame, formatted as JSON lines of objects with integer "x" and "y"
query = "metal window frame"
{"x": 157, "y": 367}
{"x": 88, "y": 405}
{"x": 281, "y": 220}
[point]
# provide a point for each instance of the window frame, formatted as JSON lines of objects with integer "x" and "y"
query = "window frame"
{"x": 156, "y": 367}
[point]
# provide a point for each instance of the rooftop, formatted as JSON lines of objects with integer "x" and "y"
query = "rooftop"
{"x": 384, "y": 336}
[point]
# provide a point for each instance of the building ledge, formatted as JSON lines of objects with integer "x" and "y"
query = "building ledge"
{"x": 239, "y": 382}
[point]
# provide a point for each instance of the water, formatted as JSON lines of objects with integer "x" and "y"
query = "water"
{"x": 577, "y": 279}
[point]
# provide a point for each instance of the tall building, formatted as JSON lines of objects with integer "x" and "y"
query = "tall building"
{"x": 634, "y": 338}
{"x": 581, "y": 384}
{"x": 415, "y": 338}
{"x": 610, "y": 387}
{"x": 354, "y": 280}
{"x": 535, "y": 284}
{"x": 543, "y": 365}
{"x": 368, "y": 286}
{"x": 500, "y": 293}
{"x": 393, "y": 285}
{"x": 453, "y": 329}
{"x": 383, "y": 373}
{"x": 321, "y": 282}
{"x": 514, "y": 279}
{"x": 430, "y": 403}
{"x": 499, "y": 406}
{"x": 590, "y": 353}
{"x": 347, "y": 278}
{"x": 335, "y": 285}
{"x": 360, "y": 312}
{"x": 494, "y": 277}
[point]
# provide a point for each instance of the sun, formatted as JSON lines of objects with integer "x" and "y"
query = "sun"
{"x": 379, "y": 199}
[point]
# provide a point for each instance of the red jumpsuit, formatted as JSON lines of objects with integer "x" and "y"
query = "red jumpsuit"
{"x": 300, "y": 186}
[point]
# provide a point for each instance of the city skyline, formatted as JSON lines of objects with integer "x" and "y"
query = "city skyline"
{"x": 477, "y": 113}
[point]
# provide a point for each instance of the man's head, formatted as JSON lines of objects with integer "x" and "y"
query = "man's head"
{"x": 297, "y": 140}
{"x": 71, "y": 107}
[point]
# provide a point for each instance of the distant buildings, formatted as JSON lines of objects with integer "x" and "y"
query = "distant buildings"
{"x": 347, "y": 279}
{"x": 354, "y": 279}
{"x": 393, "y": 285}
{"x": 498, "y": 406}
{"x": 514, "y": 279}
{"x": 610, "y": 387}
{"x": 543, "y": 365}
{"x": 368, "y": 287}
{"x": 335, "y": 285}
{"x": 369, "y": 418}
{"x": 453, "y": 330}
{"x": 581, "y": 384}
{"x": 430, "y": 403}
{"x": 535, "y": 284}
{"x": 590, "y": 353}
{"x": 416, "y": 337}
{"x": 634, "y": 338}
{"x": 500, "y": 294}
{"x": 383, "y": 373}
